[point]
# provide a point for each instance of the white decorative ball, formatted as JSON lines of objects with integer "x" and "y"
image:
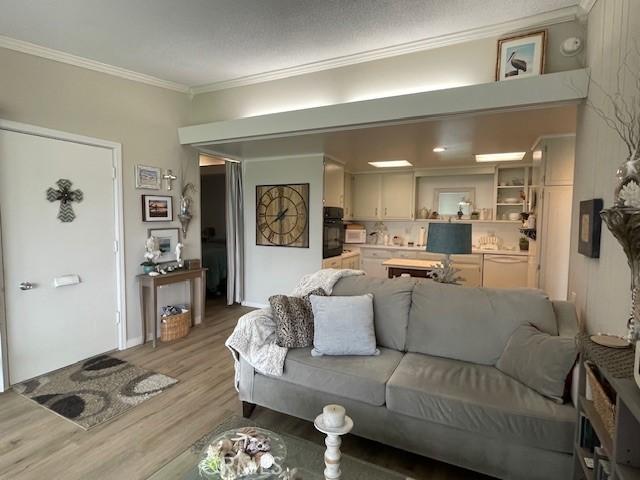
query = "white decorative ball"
{"x": 267, "y": 460}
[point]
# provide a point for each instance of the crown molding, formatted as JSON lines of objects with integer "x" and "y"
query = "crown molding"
{"x": 58, "y": 56}
{"x": 585, "y": 6}
{"x": 536, "y": 21}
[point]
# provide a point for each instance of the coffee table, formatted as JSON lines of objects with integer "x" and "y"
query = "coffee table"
{"x": 306, "y": 456}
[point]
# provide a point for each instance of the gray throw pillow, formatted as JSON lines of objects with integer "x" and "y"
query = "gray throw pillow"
{"x": 343, "y": 326}
{"x": 294, "y": 319}
{"x": 539, "y": 360}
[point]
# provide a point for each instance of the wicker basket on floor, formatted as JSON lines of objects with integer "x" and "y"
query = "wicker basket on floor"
{"x": 173, "y": 327}
{"x": 603, "y": 405}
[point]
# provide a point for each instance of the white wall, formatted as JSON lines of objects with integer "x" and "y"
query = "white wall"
{"x": 483, "y": 184}
{"x": 452, "y": 66}
{"x": 602, "y": 286}
{"x": 273, "y": 270}
{"x": 143, "y": 118}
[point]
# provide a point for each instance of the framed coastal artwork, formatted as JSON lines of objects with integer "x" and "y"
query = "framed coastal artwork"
{"x": 590, "y": 228}
{"x": 157, "y": 208}
{"x": 521, "y": 56}
{"x": 166, "y": 241}
{"x": 148, "y": 178}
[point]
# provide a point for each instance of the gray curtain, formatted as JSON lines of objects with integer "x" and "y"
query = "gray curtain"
{"x": 235, "y": 233}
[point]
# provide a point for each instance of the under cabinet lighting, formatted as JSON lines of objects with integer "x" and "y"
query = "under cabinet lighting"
{"x": 439, "y": 149}
{"x": 500, "y": 157}
{"x": 391, "y": 163}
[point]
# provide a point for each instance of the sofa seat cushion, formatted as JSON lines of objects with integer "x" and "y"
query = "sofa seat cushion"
{"x": 354, "y": 377}
{"x": 480, "y": 399}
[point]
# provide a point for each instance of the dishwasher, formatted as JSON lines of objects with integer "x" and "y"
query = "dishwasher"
{"x": 505, "y": 271}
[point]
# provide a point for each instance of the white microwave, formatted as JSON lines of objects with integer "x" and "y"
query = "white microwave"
{"x": 355, "y": 235}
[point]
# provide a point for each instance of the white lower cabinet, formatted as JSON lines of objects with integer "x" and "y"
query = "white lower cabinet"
{"x": 505, "y": 271}
{"x": 350, "y": 261}
{"x": 371, "y": 262}
{"x": 333, "y": 262}
{"x": 373, "y": 267}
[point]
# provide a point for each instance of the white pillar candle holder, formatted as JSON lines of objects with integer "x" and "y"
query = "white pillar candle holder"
{"x": 334, "y": 423}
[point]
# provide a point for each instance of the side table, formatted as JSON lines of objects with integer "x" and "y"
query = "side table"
{"x": 149, "y": 293}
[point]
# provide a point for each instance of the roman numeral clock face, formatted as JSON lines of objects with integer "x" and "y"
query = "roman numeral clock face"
{"x": 282, "y": 215}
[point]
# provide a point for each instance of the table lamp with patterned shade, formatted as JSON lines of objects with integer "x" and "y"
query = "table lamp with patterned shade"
{"x": 450, "y": 239}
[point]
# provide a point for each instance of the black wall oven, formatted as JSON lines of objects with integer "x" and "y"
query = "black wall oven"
{"x": 333, "y": 232}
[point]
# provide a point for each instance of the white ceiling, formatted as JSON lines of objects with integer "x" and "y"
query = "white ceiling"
{"x": 462, "y": 135}
{"x": 196, "y": 42}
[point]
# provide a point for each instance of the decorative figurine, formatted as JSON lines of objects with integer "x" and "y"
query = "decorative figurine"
{"x": 179, "y": 247}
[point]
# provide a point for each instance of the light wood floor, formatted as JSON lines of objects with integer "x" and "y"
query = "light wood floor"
{"x": 36, "y": 444}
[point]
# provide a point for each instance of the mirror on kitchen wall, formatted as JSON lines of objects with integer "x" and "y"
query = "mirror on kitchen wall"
{"x": 449, "y": 201}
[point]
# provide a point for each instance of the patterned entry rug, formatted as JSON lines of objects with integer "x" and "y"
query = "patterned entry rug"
{"x": 94, "y": 391}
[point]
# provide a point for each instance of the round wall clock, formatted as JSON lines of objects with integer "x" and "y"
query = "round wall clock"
{"x": 282, "y": 215}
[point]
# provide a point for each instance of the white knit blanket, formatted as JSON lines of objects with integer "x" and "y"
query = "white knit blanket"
{"x": 254, "y": 337}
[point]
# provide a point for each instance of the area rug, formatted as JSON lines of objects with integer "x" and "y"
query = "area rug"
{"x": 94, "y": 391}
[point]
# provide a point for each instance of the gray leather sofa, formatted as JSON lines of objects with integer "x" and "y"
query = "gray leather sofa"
{"x": 434, "y": 389}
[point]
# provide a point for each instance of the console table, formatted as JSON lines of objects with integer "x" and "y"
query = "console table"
{"x": 149, "y": 294}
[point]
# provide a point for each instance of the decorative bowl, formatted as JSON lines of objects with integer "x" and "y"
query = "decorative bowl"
{"x": 249, "y": 453}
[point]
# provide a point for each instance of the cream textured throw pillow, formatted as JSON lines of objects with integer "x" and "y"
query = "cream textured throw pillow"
{"x": 343, "y": 325}
{"x": 539, "y": 360}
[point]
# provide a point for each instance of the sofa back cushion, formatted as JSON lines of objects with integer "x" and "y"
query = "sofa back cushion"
{"x": 391, "y": 303}
{"x": 473, "y": 324}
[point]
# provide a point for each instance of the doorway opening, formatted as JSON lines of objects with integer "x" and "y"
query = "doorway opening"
{"x": 213, "y": 226}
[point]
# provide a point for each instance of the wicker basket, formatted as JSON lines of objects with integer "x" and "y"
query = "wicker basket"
{"x": 603, "y": 405}
{"x": 173, "y": 327}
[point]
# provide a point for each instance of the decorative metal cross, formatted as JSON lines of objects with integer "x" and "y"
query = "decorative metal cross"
{"x": 169, "y": 177}
{"x": 65, "y": 196}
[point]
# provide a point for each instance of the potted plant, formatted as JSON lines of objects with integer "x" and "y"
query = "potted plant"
{"x": 151, "y": 253}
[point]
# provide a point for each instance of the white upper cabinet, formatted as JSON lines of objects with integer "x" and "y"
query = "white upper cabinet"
{"x": 366, "y": 196}
{"x": 333, "y": 184}
{"x": 558, "y": 159}
{"x": 348, "y": 197}
{"x": 383, "y": 196}
{"x": 397, "y": 196}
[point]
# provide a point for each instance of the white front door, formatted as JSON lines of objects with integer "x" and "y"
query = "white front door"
{"x": 47, "y": 327}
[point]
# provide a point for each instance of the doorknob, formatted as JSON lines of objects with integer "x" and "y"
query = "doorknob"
{"x": 26, "y": 286}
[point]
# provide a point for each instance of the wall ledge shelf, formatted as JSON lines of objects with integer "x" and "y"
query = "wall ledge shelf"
{"x": 553, "y": 88}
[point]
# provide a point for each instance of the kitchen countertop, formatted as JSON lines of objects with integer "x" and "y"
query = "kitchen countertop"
{"x": 411, "y": 263}
{"x": 421, "y": 249}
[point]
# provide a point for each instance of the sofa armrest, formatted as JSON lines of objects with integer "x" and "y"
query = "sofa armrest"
{"x": 566, "y": 317}
{"x": 245, "y": 380}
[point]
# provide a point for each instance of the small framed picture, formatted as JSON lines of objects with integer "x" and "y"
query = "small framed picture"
{"x": 521, "y": 56}
{"x": 149, "y": 178}
{"x": 166, "y": 241}
{"x": 590, "y": 228}
{"x": 157, "y": 208}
